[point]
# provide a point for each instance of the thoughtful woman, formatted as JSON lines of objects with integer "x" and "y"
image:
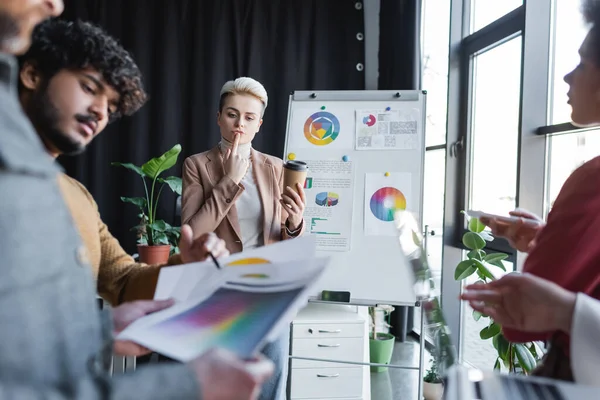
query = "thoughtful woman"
{"x": 236, "y": 192}
{"x": 566, "y": 250}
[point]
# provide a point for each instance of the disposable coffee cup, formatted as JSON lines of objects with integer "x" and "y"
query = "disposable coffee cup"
{"x": 294, "y": 172}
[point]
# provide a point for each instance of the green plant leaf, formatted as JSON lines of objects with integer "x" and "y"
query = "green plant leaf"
{"x": 503, "y": 345}
{"x": 475, "y": 225}
{"x": 157, "y": 165}
{"x": 160, "y": 226}
{"x": 484, "y": 271}
{"x": 130, "y": 166}
{"x": 476, "y": 254}
{"x": 160, "y": 238}
{"x": 464, "y": 269}
{"x": 497, "y": 364}
{"x": 138, "y": 201}
{"x": 477, "y": 315}
{"x": 491, "y": 258}
{"x": 526, "y": 359}
{"x": 490, "y": 331}
{"x": 498, "y": 264}
{"x": 473, "y": 241}
{"x": 174, "y": 183}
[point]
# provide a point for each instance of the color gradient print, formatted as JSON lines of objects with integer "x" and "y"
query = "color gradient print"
{"x": 248, "y": 261}
{"x": 385, "y": 202}
{"x": 321, "y": 128}
{"x": 233, "y": 319}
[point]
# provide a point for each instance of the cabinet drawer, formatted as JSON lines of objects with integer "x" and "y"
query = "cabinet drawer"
{"x": 323, "y": 383}
{"x": 339, "y": 349}
{"x": 327, "y": 330}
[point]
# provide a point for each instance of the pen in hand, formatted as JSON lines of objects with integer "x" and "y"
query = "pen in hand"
{"x": 215, "y": 260}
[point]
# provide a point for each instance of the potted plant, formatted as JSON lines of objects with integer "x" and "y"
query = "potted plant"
{"x": 381, "y": 344}
{"x": 433, "y": 389}
{"x": 514, "y": 357}
{"x": 156, "y": 238}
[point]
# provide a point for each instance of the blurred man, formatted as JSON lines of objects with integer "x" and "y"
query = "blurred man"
{"x": 53, "y": 341}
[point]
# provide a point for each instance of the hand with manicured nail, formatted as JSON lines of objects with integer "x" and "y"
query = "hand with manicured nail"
{"x": 198, "y": 249}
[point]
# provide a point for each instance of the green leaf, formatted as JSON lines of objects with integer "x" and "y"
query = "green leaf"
{"x": 526, "y": 359}
{"x": 477, "y": 315}
{"x": 464, "y": 269}
{"x": 130, "y": 166}
{"x": 157, "y": 165}
{"x": 498, "y": 264}
{"x": 160, "y": 238}
{"x": 484, "y": 271}
{"x": 160, "y": 226}
{"x": 497, "y": 364}
{"x": 476, "y": 254}
{"x": 138, "y": 201}
{"x": 503, "y": 346}
{"x": 473, "y": 241}
{"x": 491, "y": 258}
{"x": 490, "y": 331}
{"x": 475, "y": 225}
{"x": 174, "y": 183}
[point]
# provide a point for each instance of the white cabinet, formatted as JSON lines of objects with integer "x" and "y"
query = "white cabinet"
{"x": 328, "y": 332}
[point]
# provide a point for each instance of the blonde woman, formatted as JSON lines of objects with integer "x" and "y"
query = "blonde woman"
{"x": 237, "y": 192}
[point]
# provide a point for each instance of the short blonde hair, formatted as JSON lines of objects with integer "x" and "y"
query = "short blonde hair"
{"x": 244, "y": 85}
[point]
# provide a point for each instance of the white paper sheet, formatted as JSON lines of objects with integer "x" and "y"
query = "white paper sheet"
{"x": 387, "y": 130}
{"x": 239, "y": 311}
{"x": 187, "y": 276}
{"x": 329, "y": 192}
{"x": 384, "y": 195}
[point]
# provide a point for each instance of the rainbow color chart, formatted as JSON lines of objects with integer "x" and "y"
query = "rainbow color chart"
{"x": 222, "y": 319}
{"x": 385, "y": 202}
{"x": 321, "y": 128}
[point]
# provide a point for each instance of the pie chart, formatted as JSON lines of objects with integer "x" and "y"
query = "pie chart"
{"x": 327, "y": 199}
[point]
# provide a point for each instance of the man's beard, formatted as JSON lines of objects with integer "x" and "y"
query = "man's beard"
{"x": 10, "y": 39}
{"x": 46, "y": 119}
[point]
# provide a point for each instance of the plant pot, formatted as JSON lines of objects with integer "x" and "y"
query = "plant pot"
{"x": 381, "y": 350}
{"x": 154, "y": 254}
{"x": 432, "y": 391}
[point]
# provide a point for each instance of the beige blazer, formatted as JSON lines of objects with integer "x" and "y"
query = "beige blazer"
{"x": 208, "y": 200}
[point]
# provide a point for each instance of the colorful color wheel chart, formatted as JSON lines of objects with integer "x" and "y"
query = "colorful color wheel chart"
{"x": 327, "y": 199}
{"x": 385, "y": 202}
{"x": 321, "y": 128}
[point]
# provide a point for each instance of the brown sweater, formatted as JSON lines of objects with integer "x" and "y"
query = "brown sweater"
{"x": 119, "y": 277}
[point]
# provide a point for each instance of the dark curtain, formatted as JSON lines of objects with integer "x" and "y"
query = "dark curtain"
{"x": 400, "y": 44}
{"x": 186, "y": 50}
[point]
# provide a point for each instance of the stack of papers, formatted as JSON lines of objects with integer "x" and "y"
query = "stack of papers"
{"x": 239, "y": 307}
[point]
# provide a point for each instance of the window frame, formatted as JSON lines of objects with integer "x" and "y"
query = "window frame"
{"x": 533, "y": 20}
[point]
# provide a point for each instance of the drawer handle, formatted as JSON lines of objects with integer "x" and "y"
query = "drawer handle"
{"x": 328, "y": 375}
{"x": 329, "y": 345}
{"x": 330, "y": 331}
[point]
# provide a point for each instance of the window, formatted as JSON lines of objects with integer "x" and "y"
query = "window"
{"x": 569, "y": 32}
{"x": 484, "y": 12}
{"x": 495, "y": 127}
{"x": 566, "y": 153}
{"x": 435, "y": 68}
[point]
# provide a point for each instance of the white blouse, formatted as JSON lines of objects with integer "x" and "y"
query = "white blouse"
{"x": 248, "y": 204}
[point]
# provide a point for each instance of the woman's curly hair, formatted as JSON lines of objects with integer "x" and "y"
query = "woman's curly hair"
{"x": 58, "y": 44}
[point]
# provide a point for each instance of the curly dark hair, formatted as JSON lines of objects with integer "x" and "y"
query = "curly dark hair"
{"x": 591, "y": 13}
{"x": 58, "y": 44}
